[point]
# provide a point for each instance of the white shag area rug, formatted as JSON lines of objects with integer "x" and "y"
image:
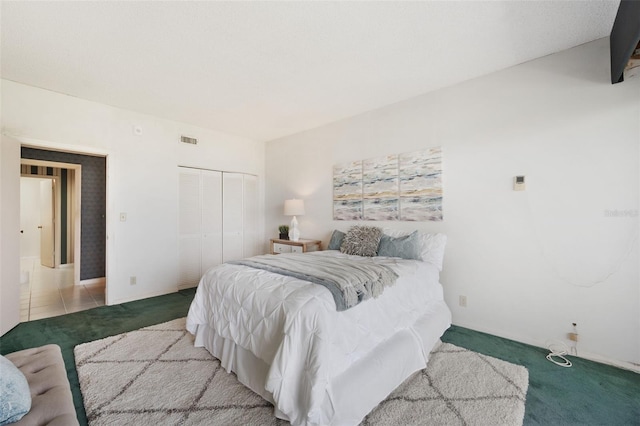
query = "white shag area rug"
{"x": 155, "y": 376}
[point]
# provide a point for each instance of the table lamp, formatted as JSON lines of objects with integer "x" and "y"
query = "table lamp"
{"x": 294, "y": 208}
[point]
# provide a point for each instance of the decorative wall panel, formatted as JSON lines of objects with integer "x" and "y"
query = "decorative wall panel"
{"x": 421, "y": 185}
{"x": 380, "y": 188}
{"x": 347, "y": 191}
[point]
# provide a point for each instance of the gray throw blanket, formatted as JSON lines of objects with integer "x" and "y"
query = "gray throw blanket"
{"x": 349, "y": 281}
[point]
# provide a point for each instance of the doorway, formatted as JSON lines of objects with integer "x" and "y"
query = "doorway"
{"x": 38, "y": 219}
{"x": 50, "y": 245}
{"x": 50, "y": 218}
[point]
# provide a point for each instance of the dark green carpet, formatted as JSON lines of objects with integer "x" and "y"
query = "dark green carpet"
{"x": 586, "y": 394}
{"x": 70, "y": 330}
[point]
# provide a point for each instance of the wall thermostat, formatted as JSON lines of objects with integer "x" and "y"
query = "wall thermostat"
{"x": 518, "y": 183}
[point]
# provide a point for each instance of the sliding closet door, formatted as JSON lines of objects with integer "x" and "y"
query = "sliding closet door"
{"x": 200, "y": 224}
{"x": 218, "y": 221}
{"x": 250, "y": 219}
{"x": 232, "y": 217}
{"x": 189, "y": 227}
{"x": 211, "y": 219}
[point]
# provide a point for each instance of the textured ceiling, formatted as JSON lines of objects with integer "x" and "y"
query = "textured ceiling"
{"x": 269, "y": 69}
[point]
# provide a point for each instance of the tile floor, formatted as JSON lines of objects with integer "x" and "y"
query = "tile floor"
{"x": 49, "y": 292}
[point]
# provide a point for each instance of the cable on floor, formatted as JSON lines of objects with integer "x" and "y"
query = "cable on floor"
{"x": 558, "y": 350}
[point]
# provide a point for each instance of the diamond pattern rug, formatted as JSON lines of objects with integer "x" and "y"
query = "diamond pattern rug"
{"x": 156, "y": 376}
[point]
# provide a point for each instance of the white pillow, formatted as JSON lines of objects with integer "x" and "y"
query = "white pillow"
{"x": 431, "y": 246}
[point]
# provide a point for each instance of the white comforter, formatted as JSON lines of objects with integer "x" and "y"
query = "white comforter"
{"x": 293, "y": 326}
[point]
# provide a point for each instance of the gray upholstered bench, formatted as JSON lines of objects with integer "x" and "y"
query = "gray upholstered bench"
{"x": 51, "y": 399}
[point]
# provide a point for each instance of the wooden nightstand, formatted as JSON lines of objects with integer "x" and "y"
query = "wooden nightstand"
{"x": 301, "y": 246}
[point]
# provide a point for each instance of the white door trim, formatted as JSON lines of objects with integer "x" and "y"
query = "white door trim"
{"x": 75, "y": 149}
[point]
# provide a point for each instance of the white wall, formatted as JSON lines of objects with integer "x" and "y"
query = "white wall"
{"x": 533, "y": 262}
{"x": 142, "y": 176}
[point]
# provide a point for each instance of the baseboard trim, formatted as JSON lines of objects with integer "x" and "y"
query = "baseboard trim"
{"x": 91, "y": 281}
{"x": 141, "y": 297}
{"x": 585, "y": 355}
{"x": 186, "y": 287}
{"x": 615, "y": 363}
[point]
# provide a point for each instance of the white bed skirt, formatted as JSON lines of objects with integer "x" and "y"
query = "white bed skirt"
{"x": 371, "y": 378}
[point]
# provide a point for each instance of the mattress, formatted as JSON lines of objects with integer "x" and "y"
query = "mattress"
{"x": 285, "y": 340}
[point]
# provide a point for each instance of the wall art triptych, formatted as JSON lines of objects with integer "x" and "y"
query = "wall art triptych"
{"x": 406, "y": 187}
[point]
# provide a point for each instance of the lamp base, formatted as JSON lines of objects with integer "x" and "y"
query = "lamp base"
{"x": 294, "y": 232}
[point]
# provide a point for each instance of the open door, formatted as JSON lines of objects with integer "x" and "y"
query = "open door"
{"x": 9, "y": 233}
{"x": 47, "y": 223}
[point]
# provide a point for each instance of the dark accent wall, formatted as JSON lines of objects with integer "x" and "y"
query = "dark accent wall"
{"x": 94, "y": 207}
{"x": 64, "y": 217}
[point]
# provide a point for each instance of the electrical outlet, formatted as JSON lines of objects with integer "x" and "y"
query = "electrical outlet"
{"x": 133, "y": 280}
{"x": 462, "y": 301}
{"x": 573, "y": 336}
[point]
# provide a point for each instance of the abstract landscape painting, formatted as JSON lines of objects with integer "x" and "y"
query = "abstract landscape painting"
{"x": 404, "y": 187}
{"x": 347, "y": 191}
{"x": 380, "y": 188}
{"x": 420, "y": 176}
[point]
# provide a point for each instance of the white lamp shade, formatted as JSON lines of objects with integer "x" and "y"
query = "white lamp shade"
{"x": 293, "y": 207}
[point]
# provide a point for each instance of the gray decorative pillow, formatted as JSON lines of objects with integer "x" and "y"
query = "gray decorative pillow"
{"x": 362, "y": 241}
{"x": 14, "y": 389}
{"x": 336, "y": 240}
{"x": 406, "y": 247}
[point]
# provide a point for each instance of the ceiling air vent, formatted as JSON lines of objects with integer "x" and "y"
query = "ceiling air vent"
{"x": 187, "y": 139}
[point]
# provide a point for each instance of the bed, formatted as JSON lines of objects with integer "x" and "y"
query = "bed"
{"x": 285, "y": 340}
